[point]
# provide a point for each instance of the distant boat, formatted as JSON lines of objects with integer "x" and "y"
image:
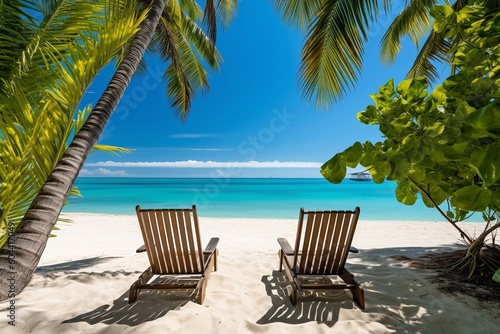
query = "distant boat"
{"x": 360, "y": 176}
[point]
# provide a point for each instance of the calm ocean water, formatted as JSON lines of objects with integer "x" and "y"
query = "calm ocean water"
{"x": 249, "y": 198}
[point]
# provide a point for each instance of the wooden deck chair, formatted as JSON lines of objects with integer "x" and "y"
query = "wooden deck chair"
{"x": 321, "y": 247}
{"x": 172, "y": 243}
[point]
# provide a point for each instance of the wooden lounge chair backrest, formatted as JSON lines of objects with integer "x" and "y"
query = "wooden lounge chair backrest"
{"x": 172, "y": 240}
{"x": 323, "y": 241}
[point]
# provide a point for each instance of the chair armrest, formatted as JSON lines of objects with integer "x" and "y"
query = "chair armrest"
{"x": 211, "y": 247}
{"x": 285, "y": 246}
{"x": 353, "y": 249}
{"x": 141, "y": 249}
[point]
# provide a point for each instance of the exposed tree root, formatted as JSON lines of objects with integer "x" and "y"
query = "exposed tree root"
{"x": 453, "y": 272}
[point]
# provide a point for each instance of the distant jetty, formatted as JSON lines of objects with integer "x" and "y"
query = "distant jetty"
{"x": 360, "y": 176}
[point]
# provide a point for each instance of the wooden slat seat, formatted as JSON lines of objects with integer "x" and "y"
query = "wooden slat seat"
{"x": 322, "y": 244}
{"x": 173, "y": 245}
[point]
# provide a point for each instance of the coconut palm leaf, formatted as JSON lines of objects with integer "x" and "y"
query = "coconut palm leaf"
{"x": 14, "y": 28}
{"x": 434, "y": 49}
{"x": 333, "y": 51}
{"x": 298, "y": 13}
{"x": 185, "y": 47}
{"x": 413, "y": 21}
{"x": 223, "y": 10}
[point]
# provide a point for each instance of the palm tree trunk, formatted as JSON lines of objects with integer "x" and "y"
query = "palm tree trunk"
{"x": 21, "y": 254}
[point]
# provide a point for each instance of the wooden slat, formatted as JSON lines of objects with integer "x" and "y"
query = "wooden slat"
{"x": 178, "y": 263}
{"x": 303, "y": 267}
{"x": 198, "y": 240}
{"x": 333, "y": 265}
{"x": 169, "y": 242}
{"x": 327, "y": 236}
{"x": 330, "y": 243}
{"x": 188, "y": 243}
{"x": 298, "y": 238}
{"x": 341, "y": 256}
{"x": 149, "y": 240}
{"x": 162, "y": 242}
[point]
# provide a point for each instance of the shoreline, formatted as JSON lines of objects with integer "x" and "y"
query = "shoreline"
{"x": 82, "y": 282}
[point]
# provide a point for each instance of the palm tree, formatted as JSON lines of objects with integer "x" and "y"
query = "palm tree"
{"x": 21, "y": 256}
{"x": 34, "y": 126}
{"x": 337, "y": 30}
{"x": 53, "y": 67}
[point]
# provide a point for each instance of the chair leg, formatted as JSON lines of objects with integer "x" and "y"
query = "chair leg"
{"x": 202, "y": 286}
{"x": 293, "y": 296}
{"x": 134, "y": 290}
{"x": 215, "y": 259}
{"x": 359, "y": 297}
{"x": 280, "y": 254}
{"x": 357, "y": 292}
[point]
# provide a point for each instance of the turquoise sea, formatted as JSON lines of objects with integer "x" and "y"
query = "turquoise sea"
{"x": 241, "y": 197}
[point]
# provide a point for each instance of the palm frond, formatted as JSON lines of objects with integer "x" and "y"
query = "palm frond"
{"x": 434, "y": 49}
{"x": 15, "y": 32}
{"x": 226, "y": 11}
{"x": 491, "y": 3}
{"x": 111, "y": 149}
{"x": 210, "y": 19}
{"x": 413, "y": 21}
{"x": 185, "y": 75}
{"x": 332, "y": 54}
{"x": 298, "y": 13}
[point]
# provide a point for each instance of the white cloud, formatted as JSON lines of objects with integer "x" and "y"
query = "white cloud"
{"x": 102, "y": 172}
{"x": 208, "y": 164}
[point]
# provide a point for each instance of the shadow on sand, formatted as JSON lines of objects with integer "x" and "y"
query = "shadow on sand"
{"x": 319, "y": 307}
{"x": 150, "y": 306}
{"x": 72, "y": 265}
{"x": 399, "y": 308}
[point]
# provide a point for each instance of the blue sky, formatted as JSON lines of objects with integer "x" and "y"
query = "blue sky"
{"x": 253, "y": 122}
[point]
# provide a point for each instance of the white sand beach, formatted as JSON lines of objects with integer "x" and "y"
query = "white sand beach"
{"x": 82, "y": 282}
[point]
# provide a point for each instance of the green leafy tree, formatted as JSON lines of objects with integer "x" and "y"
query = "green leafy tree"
{"x": 443, "y": 145}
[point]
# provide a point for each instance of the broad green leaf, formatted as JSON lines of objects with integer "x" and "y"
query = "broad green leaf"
{"x": 387, "y": 90}
{"x": 444, "y": 16}
{"x": 353, "y": 154}
{"x": 334, "y": 170}
{"x": 471, "y": 198}
{"x": 417, "y": 174}
{"x": 486, "y": 118}
{"x": 487, "y": 164}
{"x": 434, "y": 130}
{"x": 438, "y": 195}
{"x": 369, "y": 116}
{"x": 404, "y": 86}
{"x": 405, "y": 193}
{"x": 399, "y": 167}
